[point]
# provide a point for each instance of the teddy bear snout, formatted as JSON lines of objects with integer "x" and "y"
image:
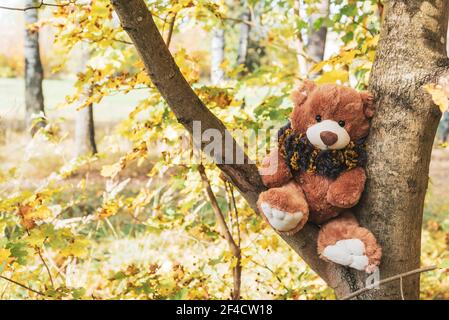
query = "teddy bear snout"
{"x": 328, "y": 137}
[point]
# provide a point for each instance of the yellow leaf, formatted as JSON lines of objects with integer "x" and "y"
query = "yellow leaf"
{"x": 77, "y": 248}
{"x": 317, "y": 67}
{"x": 439, "y": 96}
{"x": 30, "y": 215}
{"x": 4, "y": 256}
{"x": 334, "y": 76}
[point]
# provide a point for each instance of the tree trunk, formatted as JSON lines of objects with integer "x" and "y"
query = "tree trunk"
{"x": 399, "y": 146}
{"x": 245, "y": 29}
{"x": 411, "y": 53}
{"x": 300, "y": 55}
{"x": 34, "y": 74}
{"x": 84, "y": 121}
{"x": 316, "y": 43}
{"x": 217, "y": 54}
{"x": 445, "y": 127}
{"x": 85, "y": 132}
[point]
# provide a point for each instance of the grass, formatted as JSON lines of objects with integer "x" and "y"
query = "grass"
{"x": 111, "y": 109}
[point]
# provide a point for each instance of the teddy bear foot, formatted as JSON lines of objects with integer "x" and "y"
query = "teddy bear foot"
{"x": 285, "y": 208}
{"x": 348, "y": 252}
{"x": 281, "y": 220}
{"x": 344, "y": 242}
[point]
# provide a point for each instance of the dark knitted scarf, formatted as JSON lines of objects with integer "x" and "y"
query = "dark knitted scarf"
{"x": 301, "y": 155}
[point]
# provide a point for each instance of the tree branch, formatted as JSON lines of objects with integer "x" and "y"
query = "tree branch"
{"x": 218, "y": 213}
{"x": 23, "y": 286}
{"x": 38, "y": 6}
{"x": 171, "y": 27}
{"x": 233, "y": 246}
{"x": 138, "y": 22}
{"x": 389, "y": 279}
{"x": 38, "y": 250}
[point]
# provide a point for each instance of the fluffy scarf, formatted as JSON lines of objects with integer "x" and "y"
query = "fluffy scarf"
{"x": 301, "y": 155}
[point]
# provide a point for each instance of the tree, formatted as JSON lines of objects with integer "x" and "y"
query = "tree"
{"x": 244, "y": 37}
{"x": 316, "y": 43}
{"x": 399, "y": 146}
{"x": 318, "y": 31}
{"x": 34, "y": 74}
{"x": 402, "y": 134}
{"x": 444, "y": 126}
{"x": 84, "y": 122}
{"x": 217, "y": 54}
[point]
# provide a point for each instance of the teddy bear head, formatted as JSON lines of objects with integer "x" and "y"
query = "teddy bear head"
{"x": 331, "y": 116}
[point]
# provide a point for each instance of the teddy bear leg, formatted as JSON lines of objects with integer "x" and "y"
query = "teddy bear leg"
{"x": 285, "y": 208}
{"x": 343, "y": 241}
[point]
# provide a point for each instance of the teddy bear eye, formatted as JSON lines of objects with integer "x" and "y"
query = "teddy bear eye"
{"x": 341, "y": 123}
{"x": 318, "y": 118}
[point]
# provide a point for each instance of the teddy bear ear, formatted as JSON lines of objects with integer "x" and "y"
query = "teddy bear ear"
{"x": 300, "y": 94}
{"x": 368, "y": 103}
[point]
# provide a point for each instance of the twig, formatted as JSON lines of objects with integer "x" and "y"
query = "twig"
{"x": 249, "y": 23}
{"x": 229, "y": 200}
{"x": 265, "y": 266}
{"x": 171, "y": 27}
{"x": 38, "y": 250}
{"x": 235, "y": 249}
{"x": 23, "y": 286}
{"x": 363, "y": 26}
{"x": 236, "y": 212}
{"x": 104, "y": 38}
{"x": 38, "y": 6}
{"x": 381, "y": 282}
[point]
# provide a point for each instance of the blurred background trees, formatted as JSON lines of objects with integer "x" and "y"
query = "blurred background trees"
{"x": 130, "y": 219}
{"x": 34, "y": 73}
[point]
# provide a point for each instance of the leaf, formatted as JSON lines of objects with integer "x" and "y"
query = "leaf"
{"x": 439, "y": 96}
{"x": 77, "y": 248}
{"x": 180, "y": 295}
{"x": 31, "y": 215}
{"x": 5, "y": 255}
{"x": 334, "y": 76}
{"x": 445, "y": 264}
{"x": 19, "y": 251}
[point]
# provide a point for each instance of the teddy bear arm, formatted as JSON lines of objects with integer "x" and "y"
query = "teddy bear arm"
{"x": 274, "y": 170}
{"x": 346, "y": 190}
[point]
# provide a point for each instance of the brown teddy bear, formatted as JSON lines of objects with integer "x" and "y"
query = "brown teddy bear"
{"x": 317, "y": 173}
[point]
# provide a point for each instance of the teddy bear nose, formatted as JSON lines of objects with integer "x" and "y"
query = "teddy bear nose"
{"x": 328, "y": 137}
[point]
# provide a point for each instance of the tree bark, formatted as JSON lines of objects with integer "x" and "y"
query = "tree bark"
{"x": 84, "y": 121}
{"x": 411, "y": 53}
{"x": 34, "y": 74}
{"x": 399, "y": 146}
{"x": 85, "y": 132}
{"x": 217, "y": 54}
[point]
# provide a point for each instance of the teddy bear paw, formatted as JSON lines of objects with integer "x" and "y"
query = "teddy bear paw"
{"x": 349, "y": 252}
{"x": 281, "y": 220}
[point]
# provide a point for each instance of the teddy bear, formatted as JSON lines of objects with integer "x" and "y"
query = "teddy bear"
{"x": 316, "y": 173}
